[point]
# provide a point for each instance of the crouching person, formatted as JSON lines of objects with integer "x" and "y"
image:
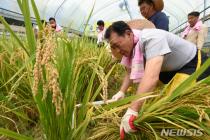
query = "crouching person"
{"x": 150, "y": 55}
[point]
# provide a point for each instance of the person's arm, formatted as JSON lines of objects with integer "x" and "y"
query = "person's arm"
{"x": 149, "y": 80}
{"x": 97, "y": 39}
{"x": 126, "y": 81}
{"x": 148, "y": 83}
{"x": 202, "y": 34}
{"x": 125, "y": 84}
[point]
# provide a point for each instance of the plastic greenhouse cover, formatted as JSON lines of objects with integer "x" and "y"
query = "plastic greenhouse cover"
{"x": 74, "y": 13}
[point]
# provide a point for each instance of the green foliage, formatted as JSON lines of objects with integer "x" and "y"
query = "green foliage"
{"x": 187, "y": 107}
{"x": 84, "y": 74}
{"x": 13, "y": 134}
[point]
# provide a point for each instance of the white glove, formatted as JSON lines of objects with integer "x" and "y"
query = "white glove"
{"x": 119, "y": 95}
{"x": 127, "y": 124}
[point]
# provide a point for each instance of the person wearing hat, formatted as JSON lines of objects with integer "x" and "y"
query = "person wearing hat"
{"x": 151, "y": 10}
{"x": 196, "y": 32}
{"x": 151, "y": 55}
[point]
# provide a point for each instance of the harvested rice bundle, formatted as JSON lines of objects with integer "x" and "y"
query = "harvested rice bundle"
{"x": 184, "y": 117}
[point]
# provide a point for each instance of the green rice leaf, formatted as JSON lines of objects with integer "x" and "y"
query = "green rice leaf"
{"x": 13, "y": 134}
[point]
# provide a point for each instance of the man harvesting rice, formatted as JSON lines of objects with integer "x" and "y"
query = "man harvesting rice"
{"x": 150, "y": 55}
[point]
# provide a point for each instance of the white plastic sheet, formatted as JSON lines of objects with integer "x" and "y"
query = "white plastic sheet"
{"x": 74, "y": 13}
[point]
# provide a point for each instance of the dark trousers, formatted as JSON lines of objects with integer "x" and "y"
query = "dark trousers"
{"x": 189, "y": 68}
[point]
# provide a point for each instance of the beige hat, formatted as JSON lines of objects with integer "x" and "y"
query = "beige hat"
{"x": 159, "y": 5}
{"x": 134, "y": 24}
{"x": 140, "y": 24}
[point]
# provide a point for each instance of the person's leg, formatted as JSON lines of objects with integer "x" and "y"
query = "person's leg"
{"x": 177, "y": 77}
{"x": 176, "y": 81}
{"x": 166, "y": 77}
{"x": 190, "y": 67}
{"x": 206, "y": 73}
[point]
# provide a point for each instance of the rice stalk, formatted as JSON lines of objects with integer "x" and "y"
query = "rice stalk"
{"x": 45, "y": 63}
{"x": 189, "y": 111}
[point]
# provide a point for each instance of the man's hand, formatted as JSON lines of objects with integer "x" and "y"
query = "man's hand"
{"x": 127, "y": 125}
{"x": 119, "y": 95}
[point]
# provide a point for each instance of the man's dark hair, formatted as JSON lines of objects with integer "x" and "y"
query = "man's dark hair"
{"x": 100, "y": 23}
{"x": 119, "y": 27}
{"x": 150, "y": 2}
{"x": 194, "y": 13}
{"x": 51, "y": 18}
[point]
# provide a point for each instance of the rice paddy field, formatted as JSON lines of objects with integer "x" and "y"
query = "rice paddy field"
{"x": 43, "y": 80}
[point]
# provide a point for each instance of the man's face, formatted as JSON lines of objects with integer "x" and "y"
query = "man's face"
{"x": 192, "y": 20}
{"x": 145, "y": 10}
{"x": 53, "y": 24}
{"x": 122, "y": 44}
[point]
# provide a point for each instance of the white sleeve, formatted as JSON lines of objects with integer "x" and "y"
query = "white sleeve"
{"x": 156, "y": 47}
{"x": 155, "y": 44}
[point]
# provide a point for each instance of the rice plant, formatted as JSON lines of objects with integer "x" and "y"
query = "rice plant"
{"x": 43, "y": 80}
{"x": 186, "y": 108}
{"x": 62, "y": 73}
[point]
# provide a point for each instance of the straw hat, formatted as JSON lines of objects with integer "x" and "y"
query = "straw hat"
{"x": 158, "y": 5}
{"x": 134, "y": 24}
{"x": 140, "y": 24}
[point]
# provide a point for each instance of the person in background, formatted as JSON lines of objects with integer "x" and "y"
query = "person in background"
{"x": 54, "y": 25}
{"x": 101, "y": 32}
{"x": 36, "y": 28}
{"x": 151, "y": 10}
{"x": 151, "y": 55}
{"x": 196, "y": 32}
